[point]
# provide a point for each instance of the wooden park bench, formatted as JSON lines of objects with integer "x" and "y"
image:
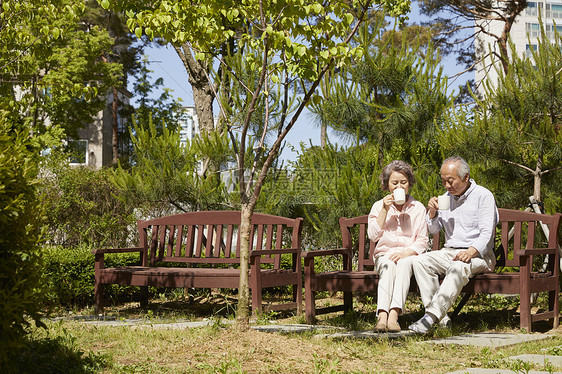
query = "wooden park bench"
{"x": 518, "y": 248}
{"x": 202, "y": 250}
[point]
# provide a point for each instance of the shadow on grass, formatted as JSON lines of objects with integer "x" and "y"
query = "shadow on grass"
{"x": 481, "y": 313}
{"x": 202, "y": 305}
{"x": 55, "y": 355}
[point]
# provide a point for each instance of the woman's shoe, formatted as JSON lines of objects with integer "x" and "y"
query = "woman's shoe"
{"x": 393, "y": 327}
{"x": 380, "y": 327}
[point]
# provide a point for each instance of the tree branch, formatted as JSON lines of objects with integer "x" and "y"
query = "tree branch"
{"x": 519, "y": 165}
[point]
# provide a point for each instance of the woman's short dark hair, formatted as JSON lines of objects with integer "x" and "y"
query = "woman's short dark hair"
{"x": 400, "y": 167}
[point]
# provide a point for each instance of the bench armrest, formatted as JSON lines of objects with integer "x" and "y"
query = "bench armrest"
{"x": 536, "y": 251}
{"x": 326, "y": 252}
{"x": 269, "y": 252}
{"x": 309, "y": 257}
{"x": 98, "y": 251}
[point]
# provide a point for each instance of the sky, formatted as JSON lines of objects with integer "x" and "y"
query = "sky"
{"x": 165, "y": 63}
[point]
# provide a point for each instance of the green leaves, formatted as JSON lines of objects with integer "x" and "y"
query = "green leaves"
{"x": 19, "y": 236}
{"x": 165, "y": 174}
{"x": 57, "y": 64}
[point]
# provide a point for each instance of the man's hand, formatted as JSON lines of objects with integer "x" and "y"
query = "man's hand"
{"x": 432, "y": 207}
{"x": 466, "y": 256}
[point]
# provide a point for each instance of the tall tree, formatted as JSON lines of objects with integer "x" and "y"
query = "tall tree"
{"x": 515, "y": 133}
{"x": 286, "y": 42}
{"x": 51, "y": 69}
{"x": 393, "y": 96}
{"x": 126, "y": 51}
{"x": 456, "y": 18}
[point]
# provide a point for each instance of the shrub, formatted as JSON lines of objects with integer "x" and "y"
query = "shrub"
{"x": 19, "y": 237}
{"x": 83, "y": 207}
{"x": 68, "y": 274}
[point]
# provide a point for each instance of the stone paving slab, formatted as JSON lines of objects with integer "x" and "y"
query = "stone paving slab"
{"x": 365, "y": 334}
{"x": 293, "y": 328}
{"x": 556, "y": 361}
{"x": 498, "y": 371}
{"x": 142, "y": 322}
{"x": 490, "y": 339}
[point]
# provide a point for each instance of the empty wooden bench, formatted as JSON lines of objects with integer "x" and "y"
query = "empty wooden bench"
{"x": 202, "y": 250}
{"x": 518, "y": 248}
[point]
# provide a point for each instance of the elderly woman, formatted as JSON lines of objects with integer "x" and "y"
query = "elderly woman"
{"x": 397, "y": 223}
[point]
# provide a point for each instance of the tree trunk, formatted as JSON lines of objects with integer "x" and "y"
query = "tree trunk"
{"x": 115, "y": 127}
{"x": 509, "y": 20}
{"x": 323, "y": 134}
{"x": 203, "y": 95}
{"x": 243, "y": 309}
{"x": 537, "y": 180}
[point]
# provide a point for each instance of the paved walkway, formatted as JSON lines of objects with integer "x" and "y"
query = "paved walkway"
{"x": 485, "y": 339}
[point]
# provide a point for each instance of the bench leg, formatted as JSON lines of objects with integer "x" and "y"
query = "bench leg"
{"x": 298, "y": 298}
{"x": 553, "y": 304}
{"x": 256, "y": 290}
{"x": 525, "y": 310}
{"x": 460, "y": 305}
{"x": 309, "y": 305}
{"x": 347, "y": 301}
{"x": 144, "y": 297}
{"x": 98, "y": 297}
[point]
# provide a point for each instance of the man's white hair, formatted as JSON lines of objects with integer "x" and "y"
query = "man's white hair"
{"x": 462, "y": 166}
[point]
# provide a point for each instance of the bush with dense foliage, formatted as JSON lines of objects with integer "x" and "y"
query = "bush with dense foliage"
{"x": 83, "y": 207}
{"x": 19, "y": 238}
{"x": 68, "y": 276}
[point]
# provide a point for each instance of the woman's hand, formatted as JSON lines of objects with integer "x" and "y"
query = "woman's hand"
{"x": 397, "y": 256}
{"x": 387, "y": 201}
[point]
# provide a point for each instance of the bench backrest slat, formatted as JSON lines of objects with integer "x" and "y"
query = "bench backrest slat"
{"x": 170, "y": 246}
{"x": 199, "y": 242}
{"x": 153, "y": 246}
{"x": 179, "y": 241}
{"x": 189, "y": 241}
{"x": 218, "y": 241}
{"x": 209, "y": 240}
{"x": 209, "y": 237}
{"x": 354, "y": 236}
{"x": 228, "y": 247}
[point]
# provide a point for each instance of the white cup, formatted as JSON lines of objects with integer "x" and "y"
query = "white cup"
{"x": 399, "y": 196}
{"x": 444, "y": 202}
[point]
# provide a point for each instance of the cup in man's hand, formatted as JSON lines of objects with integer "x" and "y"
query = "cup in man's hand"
{"x": 444, "y": 202}
{"x": 399, "y": 196}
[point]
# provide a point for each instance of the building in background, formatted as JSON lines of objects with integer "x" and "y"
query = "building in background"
{"x": 524, "y": 34}
{"x": 94, "y": 145}
{"x": 190, "y": 126}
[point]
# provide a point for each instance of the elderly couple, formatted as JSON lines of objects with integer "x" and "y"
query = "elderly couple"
{"x": 400, "y": 231}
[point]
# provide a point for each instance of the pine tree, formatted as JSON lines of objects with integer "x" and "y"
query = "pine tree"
{"x": 515, "y": 132}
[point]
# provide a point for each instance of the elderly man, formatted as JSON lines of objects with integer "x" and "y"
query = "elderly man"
{"x": 469, "y": 226}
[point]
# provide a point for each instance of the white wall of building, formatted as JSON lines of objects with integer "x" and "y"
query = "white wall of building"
{"x": 524, "y": 34}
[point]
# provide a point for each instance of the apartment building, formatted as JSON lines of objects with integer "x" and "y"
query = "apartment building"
{"x": 524, "y": 33}
{"x": 94, "y": 145}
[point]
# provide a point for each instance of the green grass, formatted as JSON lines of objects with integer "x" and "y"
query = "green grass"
{"x": 68, "y": 346}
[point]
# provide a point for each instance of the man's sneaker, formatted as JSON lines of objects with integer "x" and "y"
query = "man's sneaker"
{"x": 423, "y": 325}
{"x": 446, "y": 322}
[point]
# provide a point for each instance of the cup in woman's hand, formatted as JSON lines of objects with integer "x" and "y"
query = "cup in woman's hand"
{"x": 399, "y": 196}
{"x": 444, "y": 202}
